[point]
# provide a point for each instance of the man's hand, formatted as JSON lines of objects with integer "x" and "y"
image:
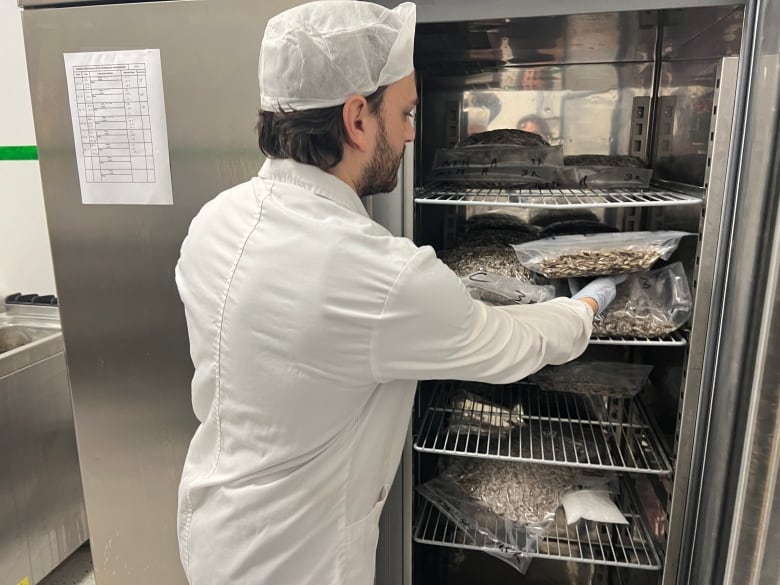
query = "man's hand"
{"x": 601, "y": 291}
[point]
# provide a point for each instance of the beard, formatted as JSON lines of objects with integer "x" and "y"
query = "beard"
{"x": 381, "y": 172}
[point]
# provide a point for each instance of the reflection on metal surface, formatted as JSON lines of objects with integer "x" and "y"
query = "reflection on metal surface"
{"x": 580, "y": 38}
{"x": 684, "y": 119}
{"x": 702, "y": 33}
{"x": 28, "y": 334}
{"x": 587, "y": 109}
{"x": 653, "y": 509}
{"x": 688, "y": 33}
{"x": 755, "y": 526}
{"x": 14, "y": 336}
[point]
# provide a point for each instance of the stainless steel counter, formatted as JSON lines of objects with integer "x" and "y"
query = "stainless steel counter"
{"x": 42, "y": 516}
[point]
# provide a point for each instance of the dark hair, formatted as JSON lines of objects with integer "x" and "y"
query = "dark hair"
{"x": 313, "y": 137}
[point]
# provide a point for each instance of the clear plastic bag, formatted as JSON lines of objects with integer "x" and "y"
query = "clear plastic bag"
{"x": 507, "y": 505}
{"x": 509, "y": 542}
{"x": 610, "y": 379}
{"x": 597, "y": 170}
{"x": 514, "y": 164}
{"x": 527, "y": 494}
{"x": 651, "y": 304}
{"x": 504, "y": 136}
{"x": 511, "y": 506}
{"x": 474, "y": 414}
{"x": 597, "y": 254}
{"x": 496, "y": 289}
{"x": 465, "y": 260}
{"x": 604, "y": 177}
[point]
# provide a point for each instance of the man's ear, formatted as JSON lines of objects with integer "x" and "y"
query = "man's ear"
{"x": 356, "y": 116}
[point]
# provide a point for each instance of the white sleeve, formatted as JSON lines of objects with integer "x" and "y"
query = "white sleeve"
{"x": 431, "y": 328}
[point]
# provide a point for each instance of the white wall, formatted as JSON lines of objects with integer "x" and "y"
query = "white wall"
{"x": 25, "y": 254}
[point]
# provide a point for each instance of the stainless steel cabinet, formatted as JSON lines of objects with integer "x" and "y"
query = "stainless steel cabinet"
{"x": 42, "y": 517}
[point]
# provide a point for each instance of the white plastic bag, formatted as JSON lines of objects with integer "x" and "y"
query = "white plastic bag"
{"x": 591, "y": 504}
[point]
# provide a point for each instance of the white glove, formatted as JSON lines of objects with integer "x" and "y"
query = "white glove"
{"x": 601, "y": 290}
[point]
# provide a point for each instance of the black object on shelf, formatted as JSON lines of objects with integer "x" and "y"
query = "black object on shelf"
{"x": 31, "y": 299}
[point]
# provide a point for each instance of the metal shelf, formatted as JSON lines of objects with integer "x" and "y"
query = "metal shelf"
{"x": 550, "y": 197}
{"x": 673, "y": 339}
{"x": 558, "y": 428}
{"x": 627, "y": 545}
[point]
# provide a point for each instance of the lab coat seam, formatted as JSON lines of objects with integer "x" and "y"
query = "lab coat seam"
{"x": 218, "y": 391}
{"x": 372, "y": 354}
{"x": 186, "y": 534}
{"x": 303, "y": 68}
{"x": 343, "y": 552}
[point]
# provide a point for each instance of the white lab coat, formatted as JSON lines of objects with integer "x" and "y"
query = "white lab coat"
{"x": 309, "y": 325}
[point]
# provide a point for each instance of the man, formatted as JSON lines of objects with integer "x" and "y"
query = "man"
{"x": 309, "y": 324}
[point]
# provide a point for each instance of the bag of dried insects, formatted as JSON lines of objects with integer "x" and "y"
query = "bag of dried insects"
{"x": 502, "y": 505}
{"x": 597, "y": 254}
{"x": 651, "y": 304}
{"x": 465, "y": 260}
{"x": 496, "y": 289}
{"x": 476, "y": 415}
{"x": 498, "y": 162}
{"x": 608, "y": 379}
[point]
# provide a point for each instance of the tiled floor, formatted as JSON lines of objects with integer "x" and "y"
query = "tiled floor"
{"x": 75, "y": 570}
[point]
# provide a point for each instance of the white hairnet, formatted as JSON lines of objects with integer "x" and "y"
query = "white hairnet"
{"x": 319, "y": 54}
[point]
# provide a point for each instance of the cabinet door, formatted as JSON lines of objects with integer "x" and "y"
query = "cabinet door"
{"x": 126, "y": 337}
{"x": 14, "y": 557}
{"x": 48, "y": 480}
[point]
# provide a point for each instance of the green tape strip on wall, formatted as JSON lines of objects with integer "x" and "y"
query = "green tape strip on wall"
{"x": 18, "y": 153}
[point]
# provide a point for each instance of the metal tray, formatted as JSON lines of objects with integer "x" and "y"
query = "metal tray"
{"x": 558, "y": 428}
{"x": 550, "y": 197}
{"x": 627, "y": 545}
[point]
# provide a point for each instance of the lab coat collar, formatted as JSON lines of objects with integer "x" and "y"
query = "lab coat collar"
{"x": 312, "y": 179}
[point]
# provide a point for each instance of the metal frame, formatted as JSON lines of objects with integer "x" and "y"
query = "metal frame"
{"x": 745, "y": 373}
{"x": 694, "y": 399}
{"x": 673, "y": 339}
{"x": 639, "y": 144}
{"x": 709, "y": 263}
{"x": 551, "y": 197}
{"x": 555, "y": 428}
